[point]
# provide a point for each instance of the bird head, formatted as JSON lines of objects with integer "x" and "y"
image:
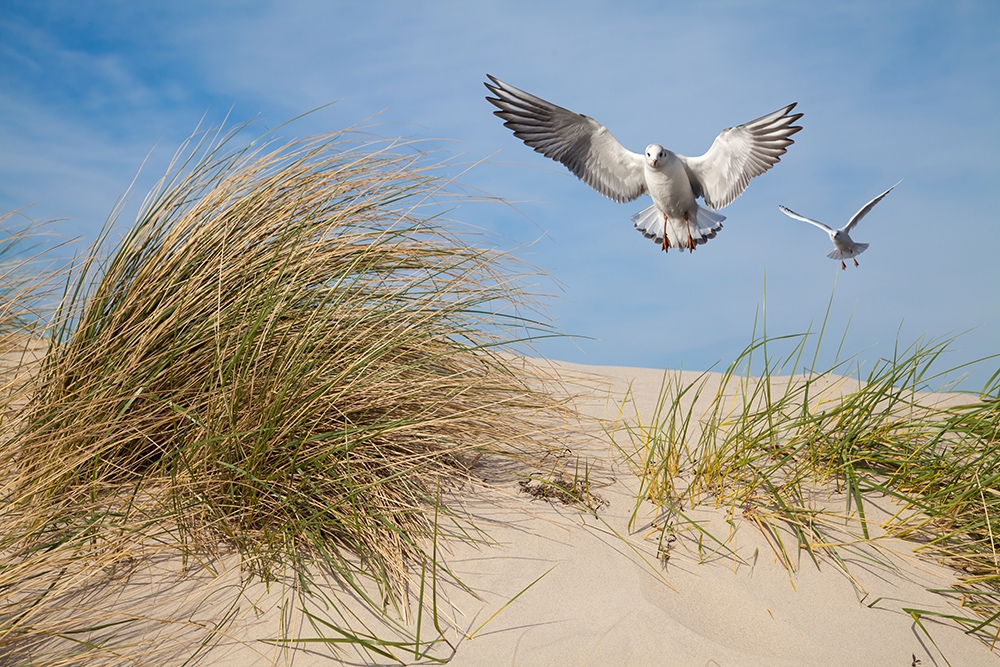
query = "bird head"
{"x": 655, "y": 153}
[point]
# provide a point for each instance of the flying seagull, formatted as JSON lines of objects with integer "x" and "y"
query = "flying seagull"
{"x": 673, "y": 181}
{"x": 844, "y": 245}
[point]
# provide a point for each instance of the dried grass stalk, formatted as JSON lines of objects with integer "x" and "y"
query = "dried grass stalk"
{"x": 287, "y": 354}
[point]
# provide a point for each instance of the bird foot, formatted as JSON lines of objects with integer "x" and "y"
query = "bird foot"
{"x": 843, "y": 266}
{"x": 856, "y": 263}
{"x": 687, "y": 222}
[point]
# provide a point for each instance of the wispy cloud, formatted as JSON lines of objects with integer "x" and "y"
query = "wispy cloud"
{"x": 889, "y": 92}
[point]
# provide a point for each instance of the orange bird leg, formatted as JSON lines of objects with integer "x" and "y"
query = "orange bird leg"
{"x": 666, "y": 241}
{"x": 691, "y": 243}
{"x": 842, "y": 265}
{"x": 856, "y": 263}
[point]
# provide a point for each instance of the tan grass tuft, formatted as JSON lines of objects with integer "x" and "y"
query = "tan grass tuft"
{"x": 287, "y": 355}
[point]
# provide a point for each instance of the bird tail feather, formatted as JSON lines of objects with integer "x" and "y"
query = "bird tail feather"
{"x": 649, "y": 223}
{"x": 847, "y": 254}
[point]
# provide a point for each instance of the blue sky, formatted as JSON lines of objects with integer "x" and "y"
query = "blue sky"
{"x": 890, "y": 91}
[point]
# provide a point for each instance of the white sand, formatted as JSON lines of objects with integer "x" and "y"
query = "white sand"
{"x": 604, "y": 598}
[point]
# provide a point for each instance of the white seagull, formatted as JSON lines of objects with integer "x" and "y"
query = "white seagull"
{"x": 844, "y": 246}
{"x": 673, "y": 181}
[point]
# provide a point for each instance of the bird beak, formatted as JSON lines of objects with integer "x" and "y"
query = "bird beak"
{"x": 654, "y": 161}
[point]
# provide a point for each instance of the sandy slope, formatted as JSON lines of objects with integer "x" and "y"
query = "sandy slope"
{"x": 602, "y": 595}
{"x": 607, "y": 601}
{"x": 604, "y": 598}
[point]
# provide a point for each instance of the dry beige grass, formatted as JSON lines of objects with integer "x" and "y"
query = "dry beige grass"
{"x": 286, "y": 355}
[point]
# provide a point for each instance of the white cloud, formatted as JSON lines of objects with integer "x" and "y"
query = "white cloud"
{"x": 888, "y": 92}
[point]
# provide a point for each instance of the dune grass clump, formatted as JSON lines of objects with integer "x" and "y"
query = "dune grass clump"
{"x": 772, "y": 447}
{"x": 287, "y": 355}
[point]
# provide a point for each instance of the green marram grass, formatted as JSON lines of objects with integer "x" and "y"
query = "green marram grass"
{"x": 770, "y": 446}
{"x": 290, "y": 355}
{"x": 293, "y": 357}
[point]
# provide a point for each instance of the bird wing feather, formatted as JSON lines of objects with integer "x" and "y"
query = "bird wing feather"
{"x": 577, "y": 141}
{"x": 740, "y": 153}
{"x": 856, "y": 218}
{"x": 792, "y": 214}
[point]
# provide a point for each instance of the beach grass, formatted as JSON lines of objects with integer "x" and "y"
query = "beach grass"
{"x": 292, "y": 356}
{"x": 801, "y": 453}
{"x": 294, "y": 366}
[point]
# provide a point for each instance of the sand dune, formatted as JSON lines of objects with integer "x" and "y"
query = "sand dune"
{"x": 603, "y": 596}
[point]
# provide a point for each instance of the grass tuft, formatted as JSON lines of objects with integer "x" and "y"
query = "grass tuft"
{"x": 778, "y": 448}
{"x": 291, "y": 354}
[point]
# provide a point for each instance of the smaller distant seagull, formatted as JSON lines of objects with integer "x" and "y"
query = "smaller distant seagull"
{"x": 844, "y": 245}
{"x": 673, "y": 181}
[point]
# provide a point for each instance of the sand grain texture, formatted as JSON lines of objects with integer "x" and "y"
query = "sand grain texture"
{"x": 604, "y": 597}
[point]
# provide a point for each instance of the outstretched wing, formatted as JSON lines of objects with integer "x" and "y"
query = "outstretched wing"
{"x": 856, "y": 218}
{"x": 792, "y": 214}
{"x": 578, "y": 141}
{"x": 740, "y": 153}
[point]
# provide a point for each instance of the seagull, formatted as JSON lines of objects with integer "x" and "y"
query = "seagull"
{"x": 673, "y": 181}
{"x": 844, "y": 246}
